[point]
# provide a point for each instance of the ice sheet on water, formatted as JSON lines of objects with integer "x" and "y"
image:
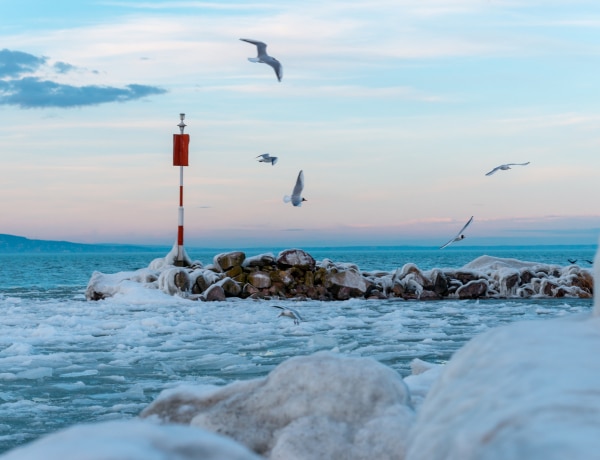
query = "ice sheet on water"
{"x": 130, "y": 347}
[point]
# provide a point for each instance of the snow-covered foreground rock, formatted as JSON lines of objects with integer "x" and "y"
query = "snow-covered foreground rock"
{"x": 319, "y": 406}
{"x": 132, "y": 440}
{"x": 503, "y": 396}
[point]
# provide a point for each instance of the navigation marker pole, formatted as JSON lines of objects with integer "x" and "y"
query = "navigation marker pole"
{"x": 180, "y": 158}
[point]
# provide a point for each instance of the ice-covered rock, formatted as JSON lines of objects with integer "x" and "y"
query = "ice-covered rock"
{"x": 259, "y": 279}
{"x": 295, "y": 274}
{"x": 228, "y": 260}
{"x": 132, "y": 440}
{"x": 502, "y": 395}
{"x": 312, "y": 407}
{"x": 296, "y": 258}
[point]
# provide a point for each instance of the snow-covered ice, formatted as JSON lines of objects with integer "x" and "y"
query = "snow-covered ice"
{"x": 524, "y": 389}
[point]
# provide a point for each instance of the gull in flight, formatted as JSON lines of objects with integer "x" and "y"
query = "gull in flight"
{"x": 264, "y": 58}
{"x": 459, "y": 236}
{"x": 290, "y": 313}
{"x": 505, "y": 167}
{"x": 266, "y": 158}
{"x": 296, "y": 197}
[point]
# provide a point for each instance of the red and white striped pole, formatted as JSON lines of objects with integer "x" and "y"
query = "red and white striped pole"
{"x": 180, "y": 158}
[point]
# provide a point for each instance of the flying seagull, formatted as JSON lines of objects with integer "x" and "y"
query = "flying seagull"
{"x": 505, "y": 167}
{"x": 264, "y": 58}
{"x": 296, "y": 197}
{"x": 572, "y": 261}
{"x": 266, "y": 158}
{"x": 459, "y": 236}
{"x": 290, "y": 313}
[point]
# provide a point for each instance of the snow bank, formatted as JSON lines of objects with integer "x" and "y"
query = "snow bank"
{"x": 319, "y": 406}
{"x": 503, "y": 396}
{"x": 132, "y": 440}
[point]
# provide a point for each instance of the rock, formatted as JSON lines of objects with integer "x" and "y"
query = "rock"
{"x": 214, "y": 293}
{"x": 426, "y": 294}
{"x": 350, "y": 278}
{"x": 204, "y": 278}
{"x": 472, "y": 290}
{"x": 234, "y": 271}
{"x": 181, "y": 280}
{"x": 412, "y": 271}
{"x": 259, "y": 279}
{"x": 464, "y": 277}
{"x": 508, "y": 284}
{"x": 296, "y": 258}
{"x": 283, "y": 277}
{"x": 228, "y": 260}
{"x": 440, "y": 283}
{"x": 584, "y": 281}
{"x": 347, "y": 284}
{"x": 365, "y": 412}
{"x": 398, "y": 290}
{"x": 249, "y": 291}
{"x": 295, "y": 274}
{"x": 230, "y": 287}
{"x": 547, "y": 287}
{"x": 172, "y": 279}
{"x": 260, "y": 261}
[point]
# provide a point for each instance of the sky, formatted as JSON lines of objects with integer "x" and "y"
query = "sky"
{"x": 394, "y": 110}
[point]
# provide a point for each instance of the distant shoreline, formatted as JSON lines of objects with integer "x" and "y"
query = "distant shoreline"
{"x": 13, "y": 244}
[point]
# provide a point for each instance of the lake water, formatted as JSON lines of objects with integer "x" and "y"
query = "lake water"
{"x": 64, "y": 360}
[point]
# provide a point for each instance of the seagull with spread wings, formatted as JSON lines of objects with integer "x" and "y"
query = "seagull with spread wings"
{"x": 264, "y": 58}
{"x": 266, "y": 158}
{"x": 505, "y": 167}
{"x": 290, "y": 313}
{"x": 459, "y": 236}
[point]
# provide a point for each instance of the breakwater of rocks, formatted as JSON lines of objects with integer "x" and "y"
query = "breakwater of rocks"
{"x": 295, "y": 274}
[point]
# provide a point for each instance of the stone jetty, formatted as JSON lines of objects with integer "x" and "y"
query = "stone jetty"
{"x": 295, "y": 274}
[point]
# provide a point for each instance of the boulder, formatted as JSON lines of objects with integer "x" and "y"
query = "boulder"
{"x": 508, "y": 284}
{"x": 182, "y": 280}
{"x": 440, "y": 283}
{"x": 230, "y": 287}
{"x": 226, "y": 261}
{"x": 261, "y": 260}
{"x": 259, "y": 279}
{"x": 473, "y": 290}
{"x": 214, "y": 293}
{"x": 412, "y": 271}
{"x": 464, "y": 276}
{"x": 296, "y": 258}
{"x": 283, "y": 277}
{"x": 203, "y": 280}
{"x": 346, "y": 284}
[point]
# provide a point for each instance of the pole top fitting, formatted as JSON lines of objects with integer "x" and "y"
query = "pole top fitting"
{"x": 181, "y": 124}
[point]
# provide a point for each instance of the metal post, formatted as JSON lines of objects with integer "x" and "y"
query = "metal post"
{"x": 180, "y": 261}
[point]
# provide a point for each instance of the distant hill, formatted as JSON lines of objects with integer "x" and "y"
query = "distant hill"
{"x": 19, "y": 244}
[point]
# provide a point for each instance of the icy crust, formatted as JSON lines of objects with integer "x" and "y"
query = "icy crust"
{"x": 295, "y": 274}
{"x": 132, "y": 440}
{"x": 319, "y": 406}
{"x": 528, "y": 390}
{"x": 502, "y": 396}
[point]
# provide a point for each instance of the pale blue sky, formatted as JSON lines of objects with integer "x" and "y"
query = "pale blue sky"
{"x": 394, "y": 110}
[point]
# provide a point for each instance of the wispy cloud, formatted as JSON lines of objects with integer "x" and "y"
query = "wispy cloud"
{"x": 19, "y": 86}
